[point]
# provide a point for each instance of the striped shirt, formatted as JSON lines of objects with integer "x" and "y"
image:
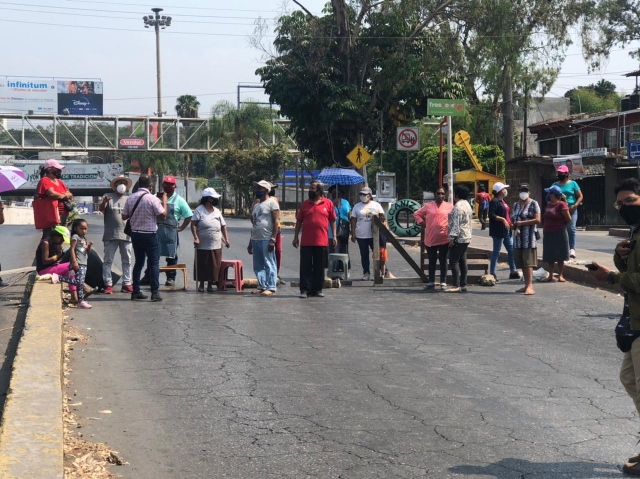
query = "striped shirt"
{"x": 144, "y": 218}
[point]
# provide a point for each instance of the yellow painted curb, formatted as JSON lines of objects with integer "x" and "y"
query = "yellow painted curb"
{"x": 31, "y": 435}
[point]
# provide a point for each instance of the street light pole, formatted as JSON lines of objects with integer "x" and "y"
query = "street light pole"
{"x": 158, "y": 22}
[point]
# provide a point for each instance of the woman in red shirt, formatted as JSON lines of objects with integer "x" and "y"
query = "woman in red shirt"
{"x": 51, "y": 186}
{"x": 555, "y": 244}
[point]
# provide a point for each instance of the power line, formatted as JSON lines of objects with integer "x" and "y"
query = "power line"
{"x": 175, "y": 6}
{"x": 123, "y": 11}
{"x": 111, "y": 16}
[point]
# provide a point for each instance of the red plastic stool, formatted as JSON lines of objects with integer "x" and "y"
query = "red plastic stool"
{"x": 238, "y": 278}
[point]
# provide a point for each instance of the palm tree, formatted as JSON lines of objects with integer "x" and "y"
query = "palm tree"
{"x": 251, "y": 126}
{"x": 187, "y": 107}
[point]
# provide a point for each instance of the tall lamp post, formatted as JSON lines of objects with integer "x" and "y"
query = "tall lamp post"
{"x": 158, "y": 22}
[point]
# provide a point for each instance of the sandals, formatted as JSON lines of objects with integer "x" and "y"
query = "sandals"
{"x": 266, "y": 292}
{"x": 258, "y": 291}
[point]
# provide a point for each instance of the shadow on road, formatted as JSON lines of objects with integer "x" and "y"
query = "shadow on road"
{"x": 510, "y": 468}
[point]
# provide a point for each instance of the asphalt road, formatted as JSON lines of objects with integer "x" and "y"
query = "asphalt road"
{"x": 390, "y": 383}
{"x": 18, "y": 250}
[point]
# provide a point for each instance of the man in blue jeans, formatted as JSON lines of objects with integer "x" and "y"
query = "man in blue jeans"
{"x": 142, "y": 209}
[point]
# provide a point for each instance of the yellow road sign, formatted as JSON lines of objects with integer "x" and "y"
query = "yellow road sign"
{"x": 359, "y": 156}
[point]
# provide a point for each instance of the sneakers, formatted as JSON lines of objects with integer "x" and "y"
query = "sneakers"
{"x": 156, "y": 297}
{"x": 366, "y": 277}
{"x": 127, "y": 288}
{"x": 138, "y": 296}
{"x": 453, "y": 290}
{"x": 443, "y": 286}
{"x": 463, "y": 289}
{"x": 317, "y": 295}
{"x": 55, "y": 278}
{"x": 303, "y": 295}
{"x": 109, "y": 290}
{"x": 170, "y": 282}
{"x": 572, "y": 253}
{"x": 514, "y": 275}
{"x": 84, "y": 305}
{"x": 389, "y": 275}
{"x": 430, "y": 286}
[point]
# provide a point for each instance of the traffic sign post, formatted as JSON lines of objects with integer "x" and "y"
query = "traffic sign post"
{"x": 408, "y": 139}
{"x": 359, "y": 156}
{"x": 438, "y": 107}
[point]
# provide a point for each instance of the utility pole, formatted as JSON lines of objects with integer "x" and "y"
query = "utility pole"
{"x": 158, "y": 22}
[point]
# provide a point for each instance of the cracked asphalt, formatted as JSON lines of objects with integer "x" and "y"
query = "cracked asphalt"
{"x": 365, "y": 383}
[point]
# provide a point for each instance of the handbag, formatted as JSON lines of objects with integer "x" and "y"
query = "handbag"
{"x": 127, "y": 227}
{"x": 45, "y": 213}
{"x": 343, "y": 230}
{"x": 625, "y": 336}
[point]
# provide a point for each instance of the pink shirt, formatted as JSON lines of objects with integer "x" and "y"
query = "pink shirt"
{"x": 144, "y": 218}
{"x": 436, "y": 221}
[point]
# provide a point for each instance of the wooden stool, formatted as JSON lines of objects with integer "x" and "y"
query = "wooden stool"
{"x": 177, "y": 267}
{"x": 238, "y": 278}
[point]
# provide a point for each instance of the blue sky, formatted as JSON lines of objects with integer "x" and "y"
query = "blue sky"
{"x": 205, "y": 52}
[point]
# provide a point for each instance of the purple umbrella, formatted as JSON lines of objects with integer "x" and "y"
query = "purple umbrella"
{"x": 11, "y": 178}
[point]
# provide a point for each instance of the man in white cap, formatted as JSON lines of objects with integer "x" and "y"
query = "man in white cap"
{"x": 264, "y": 218}
{"x": 500, "y": 230}
{"x": 114, "y": 237}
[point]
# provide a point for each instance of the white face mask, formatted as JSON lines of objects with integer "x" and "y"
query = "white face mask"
{"x": 505, "y": 193}
{"x": 524, "y": 195}
{"x": 122, "y": 189}
{"x": 364, "y": 198}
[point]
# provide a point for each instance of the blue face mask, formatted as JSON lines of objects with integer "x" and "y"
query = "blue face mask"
{"x": 260, "y": 194}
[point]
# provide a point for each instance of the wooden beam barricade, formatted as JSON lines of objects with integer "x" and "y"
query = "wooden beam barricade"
{"x": 378, "y": 227}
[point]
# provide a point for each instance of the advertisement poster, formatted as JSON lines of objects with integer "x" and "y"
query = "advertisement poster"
{"x": 574, "y": 163}
{"x": 79, "y": 98}
{"x": 76, "y": 175}
{"x": 24, "y": 94}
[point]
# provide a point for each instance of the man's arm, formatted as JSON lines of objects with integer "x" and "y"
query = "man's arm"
{"x": 103, "y": 204}
{"x": 296, "y": 241}
{"x": 163, "y": 214}
{"x": 184, "y": 225}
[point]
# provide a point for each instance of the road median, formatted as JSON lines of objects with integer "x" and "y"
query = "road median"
{"x": 31, "y": 434}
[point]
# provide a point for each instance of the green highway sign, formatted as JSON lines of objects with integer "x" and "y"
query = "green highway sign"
{"x": 437, "y": 107}
{"x": 218, "y": 183}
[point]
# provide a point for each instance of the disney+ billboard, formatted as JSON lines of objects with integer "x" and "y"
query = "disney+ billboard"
{"x": 79, "y": 98}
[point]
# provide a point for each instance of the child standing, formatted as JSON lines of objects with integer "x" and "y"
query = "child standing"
{"x": 80, "y": 249}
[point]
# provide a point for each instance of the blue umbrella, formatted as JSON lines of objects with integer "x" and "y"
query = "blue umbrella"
{"x": 340, "y": 176}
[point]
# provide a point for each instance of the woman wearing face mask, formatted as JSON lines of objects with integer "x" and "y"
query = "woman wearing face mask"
{"x": 460, "y": 234}
{"x": 361, "y": 227}
{"x": 52, "y": 187}
{"x": 525, "y": 217}
{"x": 435, "y": 216}
{"x": 209, "y": 232}
{"x": 571, "y": 190}
{"x": 555, "y": 244}
{"x": 500, "y": 230}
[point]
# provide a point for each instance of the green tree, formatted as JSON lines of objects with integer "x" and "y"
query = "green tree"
{"x": 240, "y": 168}
{"x": 251, "y": 126}
{"x": 514, "y": 48}
{"x": 593, "y": 99}
{"x": 339, "y": 75}
{"x": 187, "y": 107}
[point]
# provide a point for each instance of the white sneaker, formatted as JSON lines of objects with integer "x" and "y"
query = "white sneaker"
{"x": 572, "y": 253}
{"x": 443, "y": 285}
{"x": 366, "y": 277}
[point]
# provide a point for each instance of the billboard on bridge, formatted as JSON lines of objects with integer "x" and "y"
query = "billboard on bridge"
{"x": 75, "y": 175}
{"x": 23, "y": 95}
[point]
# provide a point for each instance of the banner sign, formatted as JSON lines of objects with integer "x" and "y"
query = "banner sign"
{"x": 446, "y": 107}
{"x": 132, "y": 144}
{"x": 574, "y": 163}
{"x": 22, "y": 94}
{"x": 79, "y": 98}
{"x": 75, "y": 175}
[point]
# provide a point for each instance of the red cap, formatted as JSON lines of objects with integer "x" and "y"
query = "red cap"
{"x": 169, "y": 179}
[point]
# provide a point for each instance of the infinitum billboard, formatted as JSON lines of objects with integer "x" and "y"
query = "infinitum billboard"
{"x": 29, "y": 95}
{"x": 24, "y": 94}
